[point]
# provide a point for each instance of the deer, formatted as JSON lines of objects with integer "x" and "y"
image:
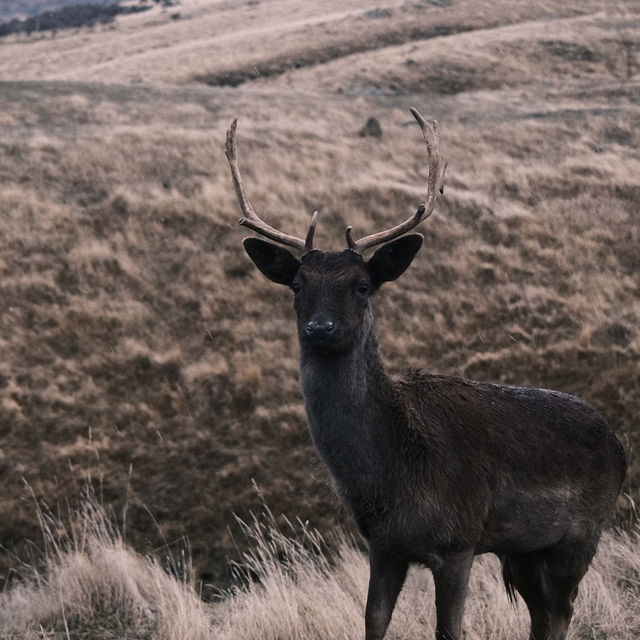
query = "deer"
{"x": 436, "y": 469}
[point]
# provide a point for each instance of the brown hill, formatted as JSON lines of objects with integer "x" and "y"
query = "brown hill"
{"x": 140, "y": 348}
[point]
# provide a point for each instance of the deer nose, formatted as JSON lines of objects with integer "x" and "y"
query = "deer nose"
{"x": 319, "y": 328}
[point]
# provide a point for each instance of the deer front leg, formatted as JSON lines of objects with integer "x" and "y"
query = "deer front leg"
{"x": 385, "y": 582}
{"x": 451, "y": 581}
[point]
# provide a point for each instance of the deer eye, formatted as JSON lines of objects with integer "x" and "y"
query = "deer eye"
{"x": 363, "y": 288}
{"x": 296, "y": 287}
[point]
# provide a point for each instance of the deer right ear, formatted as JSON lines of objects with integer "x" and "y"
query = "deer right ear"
{"x": 276, "y": 263}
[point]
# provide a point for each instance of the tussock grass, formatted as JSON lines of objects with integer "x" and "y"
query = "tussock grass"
{"x": 131, "y": 313}
{"x": 312, "y": 597}
{"x": 91, "y": 584}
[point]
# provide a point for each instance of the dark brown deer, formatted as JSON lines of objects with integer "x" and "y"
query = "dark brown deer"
{"x": 437, "y": 469}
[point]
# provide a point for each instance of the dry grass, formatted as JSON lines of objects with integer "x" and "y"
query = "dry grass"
{"x": 216, "y": 37}
{"x": 92, "y": 585}
{"x": 316, "y": 598}
{"x": 139, "y": 345}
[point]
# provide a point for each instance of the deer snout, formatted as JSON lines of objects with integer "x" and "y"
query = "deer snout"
{"x": 320, "y": 328}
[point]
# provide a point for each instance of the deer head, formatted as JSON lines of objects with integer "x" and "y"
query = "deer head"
{"x": 332, "y": 289}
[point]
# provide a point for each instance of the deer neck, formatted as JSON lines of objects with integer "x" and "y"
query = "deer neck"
{"x": 346, "y": 381}
{"x": 347, "y": 398}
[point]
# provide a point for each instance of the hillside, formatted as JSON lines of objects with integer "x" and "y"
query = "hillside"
{"x": 141, "y": 350}
{"x": 23, "y": 9}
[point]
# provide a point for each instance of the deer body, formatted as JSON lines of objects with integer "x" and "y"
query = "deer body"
{"x": 437, "y": 469}
{"x": 445, "y": 462}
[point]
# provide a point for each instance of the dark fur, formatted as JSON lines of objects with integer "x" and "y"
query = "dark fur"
{"x": 436, "y": 468}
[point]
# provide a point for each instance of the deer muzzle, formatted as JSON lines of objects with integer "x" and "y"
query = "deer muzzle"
{"x": 319, "y": 329}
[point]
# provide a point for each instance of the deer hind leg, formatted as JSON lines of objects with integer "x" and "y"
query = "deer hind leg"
{"x": 526, "y": 573}
{"x": 451, "y": 581}
{"x": 566, "y": 564}
{"x": 385, "y": 582}
{"x": 548, "y": 582}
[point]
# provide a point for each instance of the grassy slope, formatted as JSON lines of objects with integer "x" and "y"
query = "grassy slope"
{"x": 140, "y": 347}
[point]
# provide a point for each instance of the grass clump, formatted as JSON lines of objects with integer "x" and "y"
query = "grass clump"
{"x": 320, "y": 599}
{"x": 290, "y": 585}
{"x": 90, "y": 584}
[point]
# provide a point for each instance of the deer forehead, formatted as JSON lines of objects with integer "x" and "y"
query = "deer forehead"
{"x": 334, "y": 266}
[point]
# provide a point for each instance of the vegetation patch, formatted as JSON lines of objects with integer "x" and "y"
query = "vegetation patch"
{"x": 141, "y": 348}
{"x": 89, "y": 583}
{"x": 69, "y": 17}
{"x": 313, "y": 56}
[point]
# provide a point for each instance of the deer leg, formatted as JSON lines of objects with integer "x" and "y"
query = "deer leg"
{"x": 385, "y": 582}
{"x": 561, "y": 613}
{"x": 548, "y": 582}
{"x": 527, "y": 574}
{"x": 451, "y": 581}
{"x": 567, "y": 562}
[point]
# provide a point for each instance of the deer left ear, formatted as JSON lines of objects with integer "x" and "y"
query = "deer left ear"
{"x": 392, "y": 259}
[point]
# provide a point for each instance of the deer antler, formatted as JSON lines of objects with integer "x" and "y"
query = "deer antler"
{"x": 435, "y": 182}
{"x": 250, "y": 218}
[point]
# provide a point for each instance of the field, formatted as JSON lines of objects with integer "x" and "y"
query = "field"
{"x": 93, "y": 585}
{"x": 141, "y": 351}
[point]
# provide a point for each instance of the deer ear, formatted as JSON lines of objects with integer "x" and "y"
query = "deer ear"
{"x": 392, "y": 259}
{"x": 278, "y": 264}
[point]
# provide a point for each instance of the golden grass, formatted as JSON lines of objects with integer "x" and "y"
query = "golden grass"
{"x": 214, "y": 37}
{"x": 132, "y": 311}
{"x": 135, "y": 334}
{"x": 92, "y": 584}
{"x": 317, "y": 599}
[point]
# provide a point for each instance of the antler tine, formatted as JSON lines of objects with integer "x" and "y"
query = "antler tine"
{"x": 250, "y": 218}
{"x": 435, "y": 182}
{"x": 308, "y": 241}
